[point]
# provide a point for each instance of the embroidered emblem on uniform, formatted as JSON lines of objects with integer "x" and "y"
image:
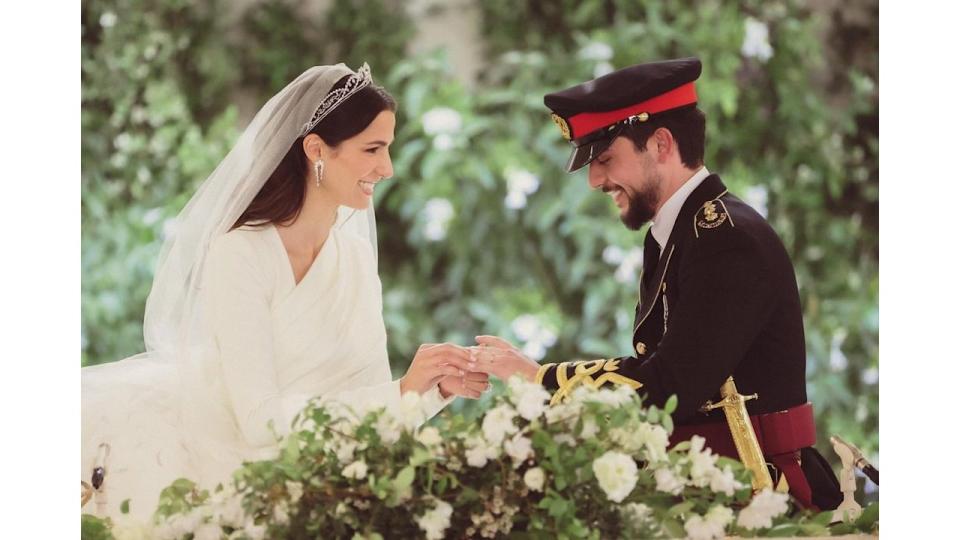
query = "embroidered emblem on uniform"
{"x": 711, "y": 217}
{"x": 562, "y": 124}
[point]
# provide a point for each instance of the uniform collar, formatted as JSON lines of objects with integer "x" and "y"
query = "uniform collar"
{"x": 664, "y": 220}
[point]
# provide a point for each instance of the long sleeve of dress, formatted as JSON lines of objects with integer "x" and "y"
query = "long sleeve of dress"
{"x": 239, "y": 302}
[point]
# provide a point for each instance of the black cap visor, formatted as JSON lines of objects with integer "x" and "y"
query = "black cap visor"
{"x": 587, "y": 148}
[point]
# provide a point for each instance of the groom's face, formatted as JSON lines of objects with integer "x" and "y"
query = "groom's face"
{"x": 631, "y": 178}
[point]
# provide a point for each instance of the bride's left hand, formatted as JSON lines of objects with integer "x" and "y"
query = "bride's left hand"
{"x": 471, "y": 385}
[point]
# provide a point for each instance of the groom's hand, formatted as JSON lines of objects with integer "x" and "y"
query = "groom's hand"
{"x": 499, "y": 358}
{"x": 471, "y": 385}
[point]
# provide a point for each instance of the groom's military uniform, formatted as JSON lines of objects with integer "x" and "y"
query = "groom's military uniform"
{"x": 719, "y": 299}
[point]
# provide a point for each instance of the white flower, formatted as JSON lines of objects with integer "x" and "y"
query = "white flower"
{"x": 295, "y": 490}
{"x": 616, "y": 473}
{"x": 438, "y": 213}
{"x": 596, "y": 51}
{"x": 498, "y": 423}
{"x": 388, "y": 428}
{"x": 756, "y": 41}
{"x": 411, "y": 413}
{"x": 724, "y": 482}
{"x": 429, "y": 436}
{"x": 536, "y": 336}
{"x": 702, "y": 462}
{"x": 530, "y": 398}
{"x": 632, "y": 262}
{"x": 515, "y": 200}
{"x": 534, "y": 349}
{"x": 479, "y": 451}
{"x": 667, "y": 481}
{"x": 521, "y": 181}
{"x": 356, "y": 470}
{"x": 534, "y": 479}
{"x": 180, "y": 525}
{"x": 701, "y": 529}
{"x": 344, "y": 449}
{"x": 720, "y": 515}
{"x": 434, "y": 522}
{"x": 519, "y": 448}
{"x": 566, "y": 412}
{"x": 208, "y": 531}
{"x": 589, "y": 428}
{"x": 637, "y": 513}
{"x": 281, "y": 513}
{"x": 613, "y": 255}
{"x": 228, "y": 510}
{"x": 108, "y": 19}
{"x": 765, "y": 506}
{"x": 443, "y": 142}
{"x": 756, "y": 197}
{"x": 441, "y": 120}
{"x": 870, "y": 376}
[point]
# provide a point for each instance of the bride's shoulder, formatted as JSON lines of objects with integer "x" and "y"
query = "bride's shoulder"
{"x": 244, "y": 242}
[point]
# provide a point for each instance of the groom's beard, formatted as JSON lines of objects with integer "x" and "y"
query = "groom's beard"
{"x": 642, "y": 205}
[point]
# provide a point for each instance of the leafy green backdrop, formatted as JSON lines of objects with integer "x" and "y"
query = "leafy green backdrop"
{"x": 480, "y": 230}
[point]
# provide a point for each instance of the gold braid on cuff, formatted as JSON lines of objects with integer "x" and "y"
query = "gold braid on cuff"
{"x": 584, "y": 372}
{"x": 541, "y": 372}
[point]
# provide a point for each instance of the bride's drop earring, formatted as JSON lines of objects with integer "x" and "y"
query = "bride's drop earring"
{"x": 318, "y": 170}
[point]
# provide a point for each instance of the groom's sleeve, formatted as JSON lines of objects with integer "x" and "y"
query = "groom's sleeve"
{"x": 560, "y": 379}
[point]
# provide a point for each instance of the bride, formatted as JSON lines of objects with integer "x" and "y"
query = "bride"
{"x": 265, "y": 296}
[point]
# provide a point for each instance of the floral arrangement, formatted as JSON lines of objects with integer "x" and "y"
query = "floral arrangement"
{"x": 597, "y": 466}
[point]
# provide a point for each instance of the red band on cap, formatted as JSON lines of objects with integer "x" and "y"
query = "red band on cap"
{"x": 586, "y": 123}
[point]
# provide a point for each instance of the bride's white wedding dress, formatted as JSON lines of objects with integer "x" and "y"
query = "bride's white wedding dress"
{"x": 274, "y": 345}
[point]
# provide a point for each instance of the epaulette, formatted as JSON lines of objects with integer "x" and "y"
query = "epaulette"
{"x": 711, "y": 215}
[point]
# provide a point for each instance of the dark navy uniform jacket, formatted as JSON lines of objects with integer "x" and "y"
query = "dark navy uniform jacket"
{"x": 721, "y": 300}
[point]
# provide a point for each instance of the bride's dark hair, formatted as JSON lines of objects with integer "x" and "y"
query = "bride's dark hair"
{"x": 281, "y": 197}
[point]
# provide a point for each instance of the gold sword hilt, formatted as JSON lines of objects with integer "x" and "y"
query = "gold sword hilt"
{"x": 741, "y": 430}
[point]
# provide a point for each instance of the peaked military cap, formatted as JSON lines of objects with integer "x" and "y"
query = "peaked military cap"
{"x": 591, "y": 115}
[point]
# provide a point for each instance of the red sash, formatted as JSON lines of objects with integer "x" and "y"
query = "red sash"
{"x": 781, "y": 435}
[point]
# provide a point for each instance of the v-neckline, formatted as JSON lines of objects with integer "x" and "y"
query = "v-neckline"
{"x": 290, "y": 272}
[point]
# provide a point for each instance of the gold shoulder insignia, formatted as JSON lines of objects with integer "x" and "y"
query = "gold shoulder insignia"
{"x": 710, "y": 216}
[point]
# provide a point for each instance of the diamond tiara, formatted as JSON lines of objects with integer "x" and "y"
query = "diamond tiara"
{"x": 358, "y": 81}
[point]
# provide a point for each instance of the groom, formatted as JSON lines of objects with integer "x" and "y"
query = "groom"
{"x": 718, "y": 294}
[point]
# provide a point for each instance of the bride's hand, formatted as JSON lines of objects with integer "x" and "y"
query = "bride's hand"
{"x": 499, "y": 358}
{"x": 472, "y": 385}
{"x": 432, "y": 363}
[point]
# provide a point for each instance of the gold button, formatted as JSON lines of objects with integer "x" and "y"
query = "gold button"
{"x": 641, "y": 348}
{"x": 643, "y": 117}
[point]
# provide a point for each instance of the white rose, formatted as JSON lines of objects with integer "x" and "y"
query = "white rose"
{"x": 281, "y": 513}
{"x": 701, "y": 529}
{"x": 765, "y": 506}
{"x": 479, "y": 451}
{"x": 616, "y": 473}
{"x": 498, "y": 423}
{"x": 531, "y": 398}
{"x": 721, "y": 515}
{"x": 519, "y": 448}
{"x": 435, "y": 522}
{"x": 667, "y": 481}
{"x": 295, "y": 490}
{"x": 388, "y": 428}
{"x": 724, "y": 482}
{"x": 429, "y": 436}
{"x": 356, "y": 470}
{"x": 534, "y": 478}
{"x": 702, "y": 462}
{"x": 589, "y": 428}
{"x": 637, "y": 513}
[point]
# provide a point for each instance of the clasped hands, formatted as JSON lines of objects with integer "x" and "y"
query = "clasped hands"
{"x": 465, "y": 371}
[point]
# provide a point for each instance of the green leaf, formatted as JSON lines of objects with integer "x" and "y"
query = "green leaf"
{"x": 405, "y": 477}
{"x": 670, "y": 405}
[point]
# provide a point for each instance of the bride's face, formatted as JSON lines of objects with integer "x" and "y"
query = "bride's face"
{"x": 352, "y": 170}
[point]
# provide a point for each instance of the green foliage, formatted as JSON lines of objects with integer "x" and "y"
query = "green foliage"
{"x": 795, "y": 133}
